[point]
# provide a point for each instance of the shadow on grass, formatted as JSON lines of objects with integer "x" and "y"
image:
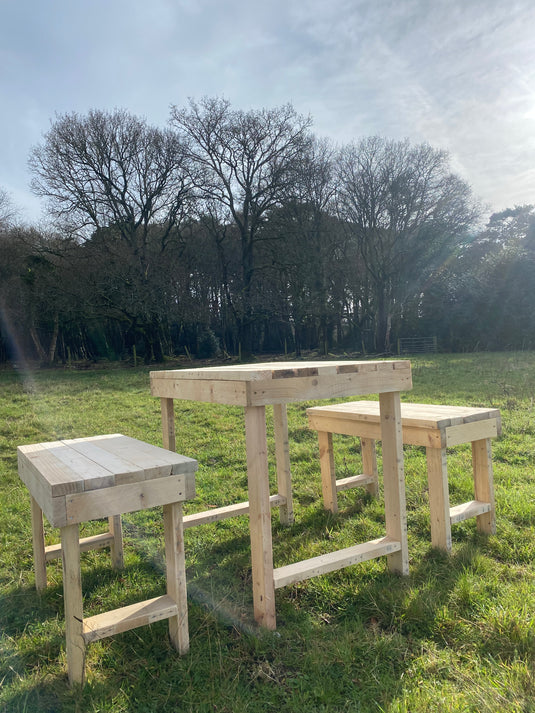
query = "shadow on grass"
{"x": 344, "y": 641}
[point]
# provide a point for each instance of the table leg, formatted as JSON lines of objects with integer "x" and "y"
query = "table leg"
{"x": 394, "y": 479}
{"x": 369, "y": 464}
{"x": 168, "y": 424}
{"x": 260, "y": 517}
{"x": 282, "y": 455}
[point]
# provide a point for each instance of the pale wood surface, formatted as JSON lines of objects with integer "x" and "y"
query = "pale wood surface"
{"x": 354, "y": 481}
{"x": 87, "y": 478}
{"x": 93, "y": 542}
{"x": 132, "y": 616}
{"x": 464, "y": 511}
{"x": 175, "y": 561}
{"x": 369, "y": 464}
{"x": 217, "y": 514}
{"x": 260, "y": 517}
{"x": 81, "y": 507}
{"x": 426, "y": 425}
{"x": 332, "y": 561}
{"x": 421, "y": 415}
{"x": 331, "y": 485}
{"x": 168, "y": 424}
{"x": 282, "y": 457}
{"x": 280, "y": 370}
{"x": 328, "y": 475}
{"x": 484, "y": 484}
{"x": 38, "y": 539}
{"x": 284, "y": 382}
{"x": 72, "y": 599}
{"x": 90, "y": 478}
{"x": 116, "y": 546}
{"x": 394, "y": 481}
{"x": 439, "y": 501}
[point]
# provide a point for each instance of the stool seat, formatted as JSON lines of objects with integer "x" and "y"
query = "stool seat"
{"x": 81, "y": 479}
{"x": 434, "y": 426}
{"x": 87, "y": 478}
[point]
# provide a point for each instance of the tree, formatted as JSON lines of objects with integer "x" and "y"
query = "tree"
{"x": 110, "y": 178}
{"x": 305, "y": 249}
{"x": 512, "y": 227}
{"x": 7, "y": 210}
{"x": 246, "y": 163}
{"x": 406, "y": 213}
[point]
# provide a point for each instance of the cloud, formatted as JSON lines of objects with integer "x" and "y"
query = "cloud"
{"x": 459, "y": 74}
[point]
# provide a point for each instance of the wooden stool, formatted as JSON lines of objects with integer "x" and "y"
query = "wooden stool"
{"x": 432, "y": 426}
{"x": 83, "y": 479}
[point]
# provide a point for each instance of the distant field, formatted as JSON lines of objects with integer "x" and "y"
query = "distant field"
{"x": 458, "y": 634}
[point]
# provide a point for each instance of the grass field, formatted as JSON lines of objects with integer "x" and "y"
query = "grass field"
{"x": 458, "y": 634}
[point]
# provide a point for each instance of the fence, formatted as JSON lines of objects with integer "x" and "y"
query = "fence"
{"x": 417, "y": 345}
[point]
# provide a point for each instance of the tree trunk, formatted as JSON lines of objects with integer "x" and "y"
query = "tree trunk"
{"x": 37, "y": 343}
{"x": 53, "y": 340}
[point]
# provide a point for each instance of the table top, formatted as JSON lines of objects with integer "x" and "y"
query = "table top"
{"x": 84, "y": 464}
{"x": 281, "y": 382}
{"x": 280, "y": 370}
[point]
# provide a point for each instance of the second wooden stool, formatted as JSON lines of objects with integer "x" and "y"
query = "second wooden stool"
{"x": 436, "y": 427}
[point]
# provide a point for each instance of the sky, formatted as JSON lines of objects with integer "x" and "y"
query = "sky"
{"x": 458, "y": 74}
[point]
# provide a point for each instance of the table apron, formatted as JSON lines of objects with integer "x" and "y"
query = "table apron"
{"x": 280, "y": 391}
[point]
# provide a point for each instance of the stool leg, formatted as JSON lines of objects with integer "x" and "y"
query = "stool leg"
{"x": 116, "y": 529}
{"x": 328, "y": 475}
{"x": 72, "y": 596}
{"x": 282, "y": 455}
{"x": 439, "y": 499}
{"x": 369, "y": 464}
{"x": 394, "y": 480}
{"x": 38, "y": 537}
{"x": 176, "y": 575}
{"x": 484, "y": 484}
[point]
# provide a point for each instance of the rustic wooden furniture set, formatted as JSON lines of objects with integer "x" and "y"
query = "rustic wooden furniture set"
{"x": 84, "y": 479}
{"x": 436, "y": 428}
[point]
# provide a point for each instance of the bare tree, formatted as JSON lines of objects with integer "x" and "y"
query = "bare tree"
{"x": 308, "y": 246}
{"x": 7, "y": 211}
{"x": 110, "y": 169}
{"x": 113, "y": 179}
{"x": 246, "y": 162}
{"x": 406, "y": 212}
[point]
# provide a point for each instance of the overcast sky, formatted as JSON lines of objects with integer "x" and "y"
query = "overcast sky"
{"x": 459, "y": 74}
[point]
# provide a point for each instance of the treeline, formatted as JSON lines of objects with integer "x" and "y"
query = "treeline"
{"x": 243, "y": 232}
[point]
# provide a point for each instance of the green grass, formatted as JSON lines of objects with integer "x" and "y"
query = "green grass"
{"x": 458, "y": 634}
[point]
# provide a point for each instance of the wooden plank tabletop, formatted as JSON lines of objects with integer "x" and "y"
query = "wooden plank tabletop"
{"x": 280, "y": 370}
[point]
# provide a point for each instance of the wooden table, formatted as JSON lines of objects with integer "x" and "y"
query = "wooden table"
{"x": 256, "y": 386}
